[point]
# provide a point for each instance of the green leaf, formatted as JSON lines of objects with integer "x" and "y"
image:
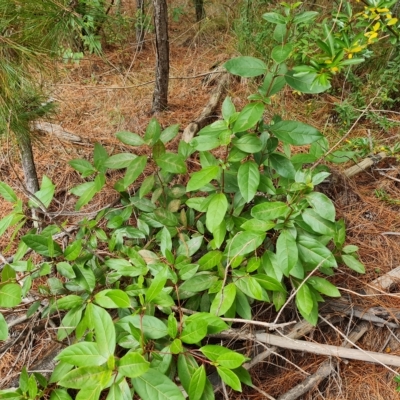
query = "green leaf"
{"x": 170, "y": 162}
{"x": 133, "y": 365}
{"x": 317, "y": 223}
{"x": 152, "y": 327}
{"x": 323, "y": 286}
{"x": 45, "y": 194}
{"x": 202, "y": 177}
{"x": 210, "y": 260}
{"x": 60, "y": 394}
{"x": 197, "y": 383}
{"x": 305, "y": 17}
{"x": 156, "y": 285}
{"x": 243, "y": 307}
{"x": 350, "y": 261}
{"x": 305, "y": 83}
{"x": 100, "y": 156}
{"x": 40, "y": 244}
{"x": 146, "y": 186}
{"x": 313, "y": 253}
{"x": 223, "y": 300}
{"x": 69, "y": 322}
{"x": 169, "y": 133}
{"x": 73, "y": 250}
{"x": 282, "y": 165}
{"x": 280, "y": 53}
{"x": 199, "y": 282}
{"x": 6, "y": 222}
{"x": 194, "y": 332}
{"x": 10, "y": 295}
{"x": 7, "y": 193}
{"x": 84, "y": 354}
{"x": 244, "y": 243}
{"x": 246, "y": 66}
{"x": 95, "y": 187}
{"x": 132, "y": 139}
{"x": 248, "y": 117}
{"x": 213, "y": 351}
{"x": 228, "y": 108}
{"x": 249, "y": 286}
{"x": 248, "y": 180}
{"x": 322, "y": 205}
{"x": 275, "y": 18}
{"x": 153, "y": 385}
{"x": 119, "y": 161}
{"x": 295, "y": 132}
{"x": 153, "y": 132}
{"x": 103, "y": 328}
{"x": 216, "y": 211}
{"x": 158, "y": 150}
{"x": 270, "y": 210}
{"x": 112, "y": 298}
{"x": 350, "y": 249}
{"x": 68, "y": 302}
{"x": 82, "y": 166}
{"x": 248, "y": 144}
{"x": 166, "y": 217}
{"x": 231, "y": 360}
{"x": 3, "y": 327}
{"x": 190, "y": 247}
{"x": 134, "y": 169}
{"x": 86, "y": 378}
{"x": 230, "y": 378}
{"x": 257, "y": 225}
{"x": 269, "y": 283}
{"x": 304, "y": 300}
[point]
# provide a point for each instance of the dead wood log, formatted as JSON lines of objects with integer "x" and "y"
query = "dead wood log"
{"x": 363, "y": 165}
{"x": 384, "y": 282}
{"x": 315, "y": 348}
{"x": 325, "y": 369}
{"x": 201, "y": 121}
{"x": 56, "y": 130}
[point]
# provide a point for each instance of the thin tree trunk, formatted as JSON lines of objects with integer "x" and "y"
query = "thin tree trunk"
{"x": 160, "y": 96}
{"x": 28, "y": 164}
{"x": 139, "y": 24}
{"x": 200, "y": 11}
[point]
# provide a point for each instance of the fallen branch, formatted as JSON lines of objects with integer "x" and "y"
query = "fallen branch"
{"x": 315, "y": 348}
{"x": 56, "y": 130}
{"x": 324, "y": 370}
{"x": 363, "y": 165}
{"x": 191, "y": 130}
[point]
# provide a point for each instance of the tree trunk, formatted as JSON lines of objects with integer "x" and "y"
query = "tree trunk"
{"x": 200, "y": 11}
{"x": 28, "y": 164}
{"x": 139, "y": 24}
{"x": 160, "y": 96}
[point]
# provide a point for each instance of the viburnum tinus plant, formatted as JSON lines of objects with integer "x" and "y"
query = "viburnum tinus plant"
{"x": 142, "y": 284}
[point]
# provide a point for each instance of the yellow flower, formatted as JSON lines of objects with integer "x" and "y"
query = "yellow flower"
{"x": 382, "y": 10}
{"x": 334, "y": 69}
{"x": 350, "y": 55}
{"x": 392, "y": 21}
{"x": 376, "y": 27}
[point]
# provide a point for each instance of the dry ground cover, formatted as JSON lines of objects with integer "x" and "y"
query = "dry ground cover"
{"x": 100, "y": 96}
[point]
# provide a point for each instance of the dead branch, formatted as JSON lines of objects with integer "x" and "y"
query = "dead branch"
{"x": 315, "y": 348}
{"x": 325, "y": 369}
{"x": 363, "y": 165}
{"x": 191, "y": 130}
{"x": 56, "y": 130}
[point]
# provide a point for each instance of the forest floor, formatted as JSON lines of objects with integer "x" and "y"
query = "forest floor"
{"x": 101, "y": 96}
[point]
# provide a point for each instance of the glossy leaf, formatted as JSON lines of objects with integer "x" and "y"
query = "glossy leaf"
{"x": 132, "y": 139}
{"x": 248, "y": 117}
{"x": 133, "y": 365}
{"x": 119, "y": 161}
{"x": 153, "y": 385}
{"x": 216, "y": 211}
{"x": 7, "y": 193}
{"x": 3, "y": 328}
{"x": 134, "y": 169}
{"x": 294, "y": 132}
{"x": 304, "y": 299}
{"x": 305, "y": 83}
{"x": 230, "y": 378}
{"x": 170, "y": 162}
{"x": 223, "y": 300}
{"x": 40, "y": 244}
{"x": 282, "y": 165}
{"x": 244, "y": 243}
{"x": 317, "y": 223}
{"x": 322, "y": 205}
{"x": 201, "y": 178}
{"x": 248, "y": 180}
{"x": 246, "y": 66}
{"x": 269, "y": 210}
{"x": 280, "y": 53}
{"x": 194, "y": 332}
{"x": 84, "y": 354}
{"x": 323, "y": 286}
{"x": 10, "y": 295}
{"x": 104, "y": 329}
{"x": 350, "y": 261}
{"x": 248, "y": 144}
{"x": 313, "y": 253}
{"x": 197, "y": 383}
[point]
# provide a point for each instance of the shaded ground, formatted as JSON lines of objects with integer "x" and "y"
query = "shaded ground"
{"x": 99, "y": 97}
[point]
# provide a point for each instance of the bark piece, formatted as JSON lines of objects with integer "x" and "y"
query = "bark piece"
{"x": 202, "y": 120}
{"x": 384, "y": 282}
{"x": 56, "y": 130}
{"x": 363, "y": 165}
